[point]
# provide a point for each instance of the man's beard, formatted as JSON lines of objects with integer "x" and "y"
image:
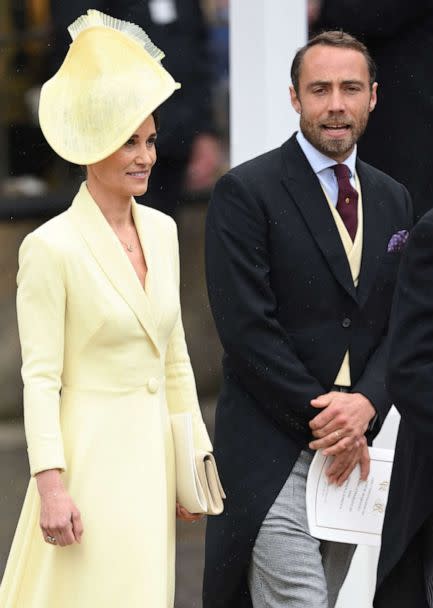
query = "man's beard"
{"x": 316, "y": 135}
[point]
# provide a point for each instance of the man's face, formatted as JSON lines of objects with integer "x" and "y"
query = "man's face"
{"x": 334, "y": 99}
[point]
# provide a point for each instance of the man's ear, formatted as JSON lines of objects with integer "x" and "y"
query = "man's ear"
{"x": 294, "y": 99}
{"x": 373, "y": 97}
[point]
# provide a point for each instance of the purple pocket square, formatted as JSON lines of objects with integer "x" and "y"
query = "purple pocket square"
{"x": 398, "y": 241}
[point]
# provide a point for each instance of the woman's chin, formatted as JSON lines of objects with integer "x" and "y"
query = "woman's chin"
{"x": 139, "y": 190}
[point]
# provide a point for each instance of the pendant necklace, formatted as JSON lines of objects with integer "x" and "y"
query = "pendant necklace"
{"x": 129, "y": 247}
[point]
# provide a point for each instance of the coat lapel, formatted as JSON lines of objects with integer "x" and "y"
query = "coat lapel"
{"x": 153, "y": 254}
{"x": 108, "y": 252}
{"x": 374, "y": 230}
{"x": 306, "y": 192}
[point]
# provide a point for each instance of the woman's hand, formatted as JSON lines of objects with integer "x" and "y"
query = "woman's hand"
{"x": 185, "y": 515}
{"x": 60, "y": 519}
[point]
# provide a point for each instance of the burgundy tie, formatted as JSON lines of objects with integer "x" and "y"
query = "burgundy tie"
{"x": 347, "y": 204}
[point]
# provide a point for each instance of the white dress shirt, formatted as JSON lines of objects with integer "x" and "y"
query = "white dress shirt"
{"x": 322, "y": 167}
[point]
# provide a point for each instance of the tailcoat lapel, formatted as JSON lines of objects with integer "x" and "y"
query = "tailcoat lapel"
{"x": 306, "y": 192}
{"x": 108, "y": 252}
{"x": 375, "y": 226}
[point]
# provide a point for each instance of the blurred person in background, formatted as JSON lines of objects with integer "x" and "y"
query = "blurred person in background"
{"x": 189, "y": 151}
{"x": 25, "y": 156}
{"x": 218, "y": 17}
{"x": 399, "y": 35}
{"x": 104, "y": 356}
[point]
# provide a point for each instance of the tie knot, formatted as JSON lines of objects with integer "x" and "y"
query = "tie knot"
{"x": 341, "y": 171}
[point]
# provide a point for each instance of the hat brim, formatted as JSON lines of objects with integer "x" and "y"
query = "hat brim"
{"x": 106, "y": 88}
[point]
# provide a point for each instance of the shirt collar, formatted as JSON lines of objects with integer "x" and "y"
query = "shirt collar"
{"x": 318, "y": 161}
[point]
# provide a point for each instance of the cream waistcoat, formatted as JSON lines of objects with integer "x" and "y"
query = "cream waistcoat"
{"x": 353, "y": 251}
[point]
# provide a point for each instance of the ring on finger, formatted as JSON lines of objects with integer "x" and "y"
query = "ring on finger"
{"x": 337, "y": 435}
{"x": 51, "y": 539}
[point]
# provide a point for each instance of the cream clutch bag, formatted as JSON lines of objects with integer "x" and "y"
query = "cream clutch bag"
{"x": 198, "y": 486}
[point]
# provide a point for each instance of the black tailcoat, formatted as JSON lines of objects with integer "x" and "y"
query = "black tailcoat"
{"x": 410, "y": 382}
{"x": 286, "y": 310}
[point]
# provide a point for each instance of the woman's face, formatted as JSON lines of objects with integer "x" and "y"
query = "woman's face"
{"x": 126, "y": 172}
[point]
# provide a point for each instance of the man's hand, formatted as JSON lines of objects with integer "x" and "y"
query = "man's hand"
{"x": 343, "y": 422}
{"x": 343, "y": 464}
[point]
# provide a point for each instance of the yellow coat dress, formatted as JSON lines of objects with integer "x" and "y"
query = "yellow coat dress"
{"x": 104, "y": 365}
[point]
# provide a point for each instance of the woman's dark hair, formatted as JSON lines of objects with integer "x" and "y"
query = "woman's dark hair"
{"x": 338, "y": 39}
{"x": 155, "y": 115}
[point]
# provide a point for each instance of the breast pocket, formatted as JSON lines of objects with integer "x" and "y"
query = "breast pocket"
{"x": 388, "y": 271}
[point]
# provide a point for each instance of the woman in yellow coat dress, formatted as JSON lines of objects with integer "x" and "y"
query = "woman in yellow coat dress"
{"x": 104, "y": 355}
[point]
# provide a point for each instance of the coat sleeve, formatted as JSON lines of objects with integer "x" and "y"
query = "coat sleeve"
{"x": 41, "y": 301}
{"x": 259, "y": 351}
{"x": 410, "y": 369}
{"x": 180, "y": 383}
{"x": 379, "y": 19}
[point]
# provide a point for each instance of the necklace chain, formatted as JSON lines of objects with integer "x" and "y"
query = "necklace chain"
{"x": 129, "y": 247}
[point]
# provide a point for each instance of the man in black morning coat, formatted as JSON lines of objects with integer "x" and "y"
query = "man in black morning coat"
{"x": 288, "y": 313}
{"x": 405, "y": 573}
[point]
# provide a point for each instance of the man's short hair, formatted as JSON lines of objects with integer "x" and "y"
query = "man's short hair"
{"x": 338, "y": 39}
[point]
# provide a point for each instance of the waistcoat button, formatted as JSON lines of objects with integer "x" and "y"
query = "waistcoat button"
{"x": 346, "y": 322}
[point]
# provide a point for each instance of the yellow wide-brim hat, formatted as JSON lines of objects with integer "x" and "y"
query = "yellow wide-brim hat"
{"x": 110, "y": 81}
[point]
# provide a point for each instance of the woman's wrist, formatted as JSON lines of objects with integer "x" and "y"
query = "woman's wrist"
{"x": 49, "y": 482}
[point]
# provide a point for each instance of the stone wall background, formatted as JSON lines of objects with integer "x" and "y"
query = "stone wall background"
{"x": 11, "y": 235}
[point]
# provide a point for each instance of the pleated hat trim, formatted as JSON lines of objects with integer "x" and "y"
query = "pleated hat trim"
{"x": 110, "y": 81}
{"x": 95, "y": 18}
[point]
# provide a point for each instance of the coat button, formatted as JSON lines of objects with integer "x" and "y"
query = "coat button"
{"x": 152, "y": 385}
{"x": 346, "y": 322}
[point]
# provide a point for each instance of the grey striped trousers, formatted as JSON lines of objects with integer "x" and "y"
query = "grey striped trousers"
{"x": 289, "y": 568}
